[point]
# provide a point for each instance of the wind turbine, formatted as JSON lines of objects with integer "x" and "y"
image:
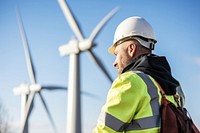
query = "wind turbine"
{"x": 28, "y": 91}
{"x": 73, "y": 49}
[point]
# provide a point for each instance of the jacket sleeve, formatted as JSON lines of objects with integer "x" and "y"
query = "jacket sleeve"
{"x": 122, "y": 103}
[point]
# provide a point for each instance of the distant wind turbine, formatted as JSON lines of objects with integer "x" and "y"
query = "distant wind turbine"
{"x": 28, "y": 91}
{"x": 73, "y": 49}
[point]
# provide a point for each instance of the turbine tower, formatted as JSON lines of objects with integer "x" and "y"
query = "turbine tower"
{"x": 28, "y": 91}
{"x": 73, "y": 49}
{"x": 24, "y": 91}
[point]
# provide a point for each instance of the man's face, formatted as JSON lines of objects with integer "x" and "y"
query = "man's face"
{"x": 123, "y": 56}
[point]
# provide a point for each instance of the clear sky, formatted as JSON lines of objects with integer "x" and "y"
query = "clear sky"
{"x": 176, "y": 25}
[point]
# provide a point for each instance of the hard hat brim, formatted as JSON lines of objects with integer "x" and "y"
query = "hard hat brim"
{"x": 112, "y": 49}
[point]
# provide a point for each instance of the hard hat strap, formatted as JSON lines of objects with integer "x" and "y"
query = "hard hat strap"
{"x": 147, "y": 43}
{"x": 151, "y": 45}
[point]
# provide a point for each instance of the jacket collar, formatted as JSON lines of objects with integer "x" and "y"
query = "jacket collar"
{"x": 157, "y": 67}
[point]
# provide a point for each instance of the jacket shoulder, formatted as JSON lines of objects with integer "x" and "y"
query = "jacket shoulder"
{"x": 130, "y": 76}
{"x": 129, "y": 80}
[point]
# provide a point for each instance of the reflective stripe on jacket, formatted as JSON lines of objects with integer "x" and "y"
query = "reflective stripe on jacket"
{"x": 132, "y": 106}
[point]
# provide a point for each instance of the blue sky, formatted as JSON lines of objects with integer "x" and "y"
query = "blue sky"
{"x": 176, "y": 26}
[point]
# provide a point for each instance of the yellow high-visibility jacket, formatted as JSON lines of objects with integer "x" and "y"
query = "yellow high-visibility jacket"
{"x": 132, "y": 106}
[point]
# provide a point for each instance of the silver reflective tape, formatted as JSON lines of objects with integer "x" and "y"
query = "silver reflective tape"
{"x": 115, "y": 123}
{"x": 153, "y": 92}
{"x": 139, "y": 124}
{"x": 145, "y": 123}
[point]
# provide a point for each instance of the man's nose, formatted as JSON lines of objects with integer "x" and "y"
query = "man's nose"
{"x": 115, "y": 64}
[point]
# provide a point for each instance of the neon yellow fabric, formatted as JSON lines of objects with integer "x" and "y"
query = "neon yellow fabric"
{"x": 127, "y": 99}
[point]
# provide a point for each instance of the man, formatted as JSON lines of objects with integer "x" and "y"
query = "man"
{"x": 133, "y": 102}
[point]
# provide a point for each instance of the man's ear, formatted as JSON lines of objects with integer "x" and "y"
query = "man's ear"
{"x": 132, "y": 49}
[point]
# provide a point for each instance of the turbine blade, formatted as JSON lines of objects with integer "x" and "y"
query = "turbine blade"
{"x": 29, "y": 61}
{"x": 99, "y": 27}
{"x": 28, "y": 116}
{"x": 28, "y": 110}
{"x": 100, "y": 64}
{"x": 54, "y": 88}
{"x": 47, "y": 111}
{"x": 71, "y": 19}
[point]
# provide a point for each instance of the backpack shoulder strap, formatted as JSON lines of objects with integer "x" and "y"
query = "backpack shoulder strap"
{"x": 176, "y": 97}
{"x": 161, "y": 90}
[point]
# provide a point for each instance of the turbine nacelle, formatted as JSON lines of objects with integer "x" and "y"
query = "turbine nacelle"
{"x": 70, "y": 48}
{"x": 26, "y": 89}
{"x": 22, "y": 89}
{"x": 74, "y": 46}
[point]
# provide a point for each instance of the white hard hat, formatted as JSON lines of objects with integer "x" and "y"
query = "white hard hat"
{"x": 137, "y": 28}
